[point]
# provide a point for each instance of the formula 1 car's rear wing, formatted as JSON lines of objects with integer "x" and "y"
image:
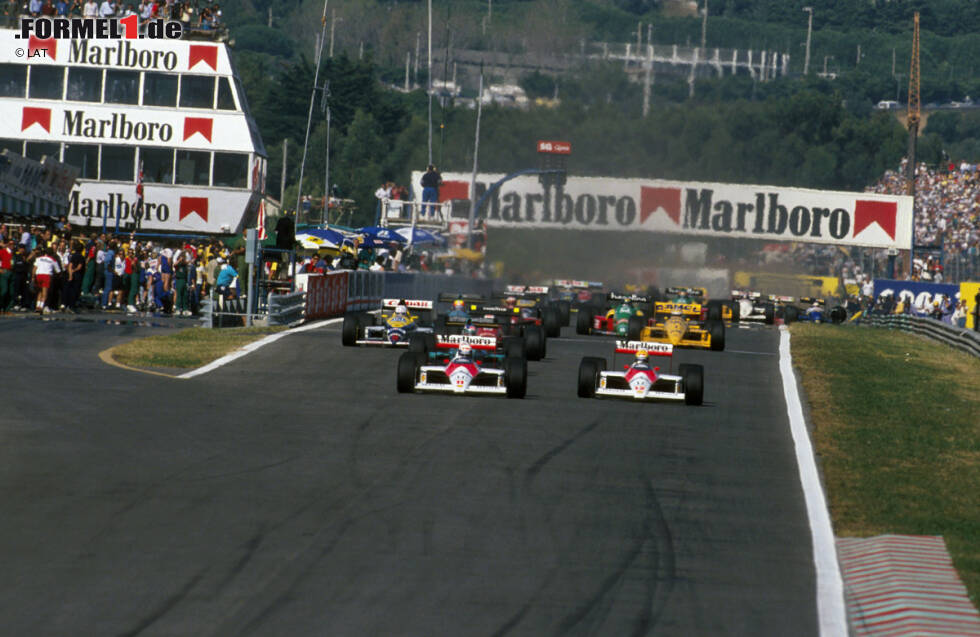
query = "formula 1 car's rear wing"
{"x": 412, "y": 304}
{"x": 811, "y": 300}
{"x": 519, "y": 290}
{"x": 782, "y": 299}
{"x": 453, "y": 341}
{"x": 632, "y": 298}
{"x": 677, "y": 291}
{"x": 668, "y": 307}
{"x": 746, "y": 294}
{"x": 447, "y": 297}
{"x": 652, "y": 348}
{"x": 575, "y": 283}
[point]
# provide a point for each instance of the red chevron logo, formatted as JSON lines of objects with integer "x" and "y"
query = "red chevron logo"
{"x": 667, "y": 199}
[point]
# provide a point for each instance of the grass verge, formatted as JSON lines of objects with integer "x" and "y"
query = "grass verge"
{"x": 896, "y": 423}
{"x": 189, "y": 348}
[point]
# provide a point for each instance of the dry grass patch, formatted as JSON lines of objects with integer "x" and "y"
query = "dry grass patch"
{"x": 896, "y": 422}
{"x": 189, "y": 348}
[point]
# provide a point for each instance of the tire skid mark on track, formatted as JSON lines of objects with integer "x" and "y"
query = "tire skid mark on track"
{"x": 250, "y": 549}
{"x": 663, "y": 565}
{"x": 532, "y": 472}
{"x": 168, "y": 604}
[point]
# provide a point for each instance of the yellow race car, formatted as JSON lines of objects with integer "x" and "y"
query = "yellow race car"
{"x": 681, "y": 325}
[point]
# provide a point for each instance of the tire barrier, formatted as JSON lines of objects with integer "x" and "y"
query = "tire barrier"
{"x": 956, "y": 337}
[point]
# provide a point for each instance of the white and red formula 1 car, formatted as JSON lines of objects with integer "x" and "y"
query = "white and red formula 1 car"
{"x": 639, "y": 380}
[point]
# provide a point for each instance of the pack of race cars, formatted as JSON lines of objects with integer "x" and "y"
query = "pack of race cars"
{"x": 474, "y": 345}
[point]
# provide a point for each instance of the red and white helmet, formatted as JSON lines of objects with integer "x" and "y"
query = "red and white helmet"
{"x": 465, "y": 349}
{"x": 642, "y": 355}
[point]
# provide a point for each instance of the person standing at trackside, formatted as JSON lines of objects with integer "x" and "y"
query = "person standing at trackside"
{"x": 225, "y": 279}
{"x": 76, "y": 265}
{"x": 181, "y": 271}
{"x": 431, "y": 181}
{"x": 976, "y": 312}
{"x": 6, "y": 273}
{"x": 108, "y": 272}
{"x": 45, "y": 267}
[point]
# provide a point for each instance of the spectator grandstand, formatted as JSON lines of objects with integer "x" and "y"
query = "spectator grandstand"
{"x": 947, "y": 219}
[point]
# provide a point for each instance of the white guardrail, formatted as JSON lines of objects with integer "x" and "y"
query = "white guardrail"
{"x": 956, "y": 337}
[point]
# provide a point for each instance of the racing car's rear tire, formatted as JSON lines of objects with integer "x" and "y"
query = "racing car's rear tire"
{"x": 583, "y": 324}
{"x": 420, "y": 343}
{"x": 565, "y": 313}
{"x": 736, "y": 310}
{"x": 551, "y": 321}
{"x": 769, "y": 314}
{"x": 838, "y": 315}
{"x": 693, "y": 384}
{"x": 791, "y": 314}
{"x": 515, "y": 377}
{"x": 714, "y": 310}
{"x": 515, "y": 347}
{"x": 635, "y": 329}
{"x": 588, "y": 377}
{"x": 350, "y": 330}
{"x": 408, "y": 364}
{"x": 716, "y": 329}
{"x": 534, "y": 340}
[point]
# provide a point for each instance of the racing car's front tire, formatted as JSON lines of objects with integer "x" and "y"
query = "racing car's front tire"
{"x": 716, "y": 330}
{"x": 693, "y": 376}
{"x": 635, "y": 329}
{"x": 551, "y": 321}
{"x": 791, "y": 314}
{"x": 583, "y": 324}
{"x": 535, "y": 342}
{"x": 838, "y": 315}
{"x": 407, "y": 371}
{"x": 588, "y": 377}
{"x": 515, "y": 377}
{"x": 349, "y": 330}
{"x": 515, "y": 347}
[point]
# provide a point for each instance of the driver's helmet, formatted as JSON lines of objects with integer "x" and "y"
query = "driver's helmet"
{"x": 815, "y": 304}
{"x": 510, "y": 302}
{"x": 458, "y": 305}
{"x": 641, "y": 356}
{"x": 401, "y": 311}
{"x": 470, "y": 329}
{"x": 465, "y": 350}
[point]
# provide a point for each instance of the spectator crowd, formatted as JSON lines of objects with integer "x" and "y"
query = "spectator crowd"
{"x": 193, "y": 14}
{"x": 53, "y": 268}
{"x": 947, "y": 218}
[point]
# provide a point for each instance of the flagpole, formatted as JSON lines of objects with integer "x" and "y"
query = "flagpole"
{"x": 309, "y": 116}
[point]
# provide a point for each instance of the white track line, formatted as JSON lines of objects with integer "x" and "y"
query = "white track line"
{"x": 251, "y": 347}
{"x": 831, "y": 614}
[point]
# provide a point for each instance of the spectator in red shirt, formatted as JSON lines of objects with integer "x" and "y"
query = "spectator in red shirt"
{"x": 6, "y": 261}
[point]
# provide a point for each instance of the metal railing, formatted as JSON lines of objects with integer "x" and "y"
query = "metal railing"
{"x": 956, "y": 337}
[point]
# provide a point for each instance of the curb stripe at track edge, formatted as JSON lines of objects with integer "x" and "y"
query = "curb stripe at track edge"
{"x": 251, "y": 347}
{"x": 831, "y": 615}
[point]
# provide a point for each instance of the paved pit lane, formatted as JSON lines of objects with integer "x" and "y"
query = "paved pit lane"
{"x": 293, "y": 492}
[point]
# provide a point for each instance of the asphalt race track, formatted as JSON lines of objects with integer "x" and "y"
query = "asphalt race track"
{"x": 293, "y": 492}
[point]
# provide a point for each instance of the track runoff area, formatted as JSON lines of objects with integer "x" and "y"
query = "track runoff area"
{"x": 294, "y": 491}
